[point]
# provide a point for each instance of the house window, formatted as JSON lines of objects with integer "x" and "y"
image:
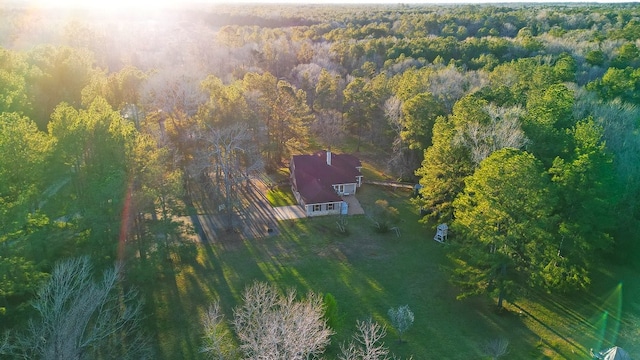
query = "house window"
{"x": 331, "y": 206}
{"x": 317, "y": 207}
{"x": 339, "y": 188}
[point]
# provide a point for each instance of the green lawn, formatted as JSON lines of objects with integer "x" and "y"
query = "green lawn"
{"x": 369, "y": 272}
{"x": 281, "y": 196}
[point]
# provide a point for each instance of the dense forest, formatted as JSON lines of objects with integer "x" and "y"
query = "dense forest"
{"x": 520, "y": 123}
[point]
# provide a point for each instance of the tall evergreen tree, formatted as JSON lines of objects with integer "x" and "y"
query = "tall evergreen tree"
{"x": 505, "y": 223}
{"x": 587, "y": 196}
{"x": 445, "y": 166}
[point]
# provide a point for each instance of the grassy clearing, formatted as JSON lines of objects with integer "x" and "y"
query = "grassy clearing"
{"x": 368, "y": 273}
{"x": 281, "y": 196}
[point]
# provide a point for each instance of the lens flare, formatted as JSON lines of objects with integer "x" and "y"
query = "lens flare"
{"x": 606, "y": 322}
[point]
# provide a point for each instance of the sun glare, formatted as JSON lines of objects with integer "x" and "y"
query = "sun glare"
{"x": 112, "y": 4}
{"x": 160, "y": 4}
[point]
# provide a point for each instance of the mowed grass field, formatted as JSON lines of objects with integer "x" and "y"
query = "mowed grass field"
{"x": 368, "y": 273}
{"x": 281, "y": 196}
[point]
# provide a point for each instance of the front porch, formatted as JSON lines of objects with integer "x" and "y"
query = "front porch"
{"x": 354, "y": 205}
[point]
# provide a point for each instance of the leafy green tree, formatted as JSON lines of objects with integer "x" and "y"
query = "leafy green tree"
{"x": 411, "y": 82}
{"x": 500, "y": 95}
{"x": 328, "y": 92}
{"x": 470, "y": 108}
{"x": 226, "y": 104}
{"x": 587, "y": 196}
{"x": 26, "y": 152}
{"x": 565, "y": 68}
{"x": 628, "y": 56}
{"x": 399, "y": 163}
{"x": 617, "y": 83}
{"x": 619, "y": 129}
{"x": 290, "y": 120}
{"x": 528, "y": 41}
{"x": 260, "y": 91}
{"x": 119, "y": 89}
{"x": 595, "y": 58}
{"x": 14, "y": 72}
{"x": 549, "y": 113}
{"x": 331, "y": 313}
{"x": 523, "y": 75}
{"x": 504, "y": 219}
{"x": 445, "y": 165}
{"x": 359, "y": 107}
{"x": 19, "y": 280}
{"x": 28, "y": 185}
{"x": 95, "y": 146}
{"x": 419, "y": 114}
{"x": 282, "y": 113}
{"x": 157, "y": 187}
{"x": 630, "y": 31}
{"x": 59, "y": 74}
{"x": 379, "y": 133}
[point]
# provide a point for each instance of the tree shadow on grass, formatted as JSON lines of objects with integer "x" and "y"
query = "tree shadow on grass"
{"x": 167, "y": 315}
{"x": 308, "y": 255}
{"x": 179, "y": 282}
{"x": 576, "y": 348}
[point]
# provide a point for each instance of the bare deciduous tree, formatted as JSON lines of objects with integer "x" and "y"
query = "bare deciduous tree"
{"x": 272, "y": 326}
{"x": 217, "y": 340}
{"x": 502, "y": 131}
{"x": 402, "y": 161}
{"x": 173, "y": 92}
{"x": 393, "y": 112}
{"x": 228, "y": 157}
{"x": 449, "y": 84}
{"x": 81, "y": 319}
{"x": 328, "y": 127}
{"x": 496, "y": 348}
{"x": 305, "y": 77}
{"x": 367, "y": 343}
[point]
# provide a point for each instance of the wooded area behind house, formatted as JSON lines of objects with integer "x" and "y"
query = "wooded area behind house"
{"x": 520, "y": 122}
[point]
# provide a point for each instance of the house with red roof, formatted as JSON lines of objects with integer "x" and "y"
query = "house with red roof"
{"x": 319, "y": 181}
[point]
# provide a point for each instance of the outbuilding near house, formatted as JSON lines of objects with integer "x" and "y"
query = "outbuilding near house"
{"x": 319, "y": 181}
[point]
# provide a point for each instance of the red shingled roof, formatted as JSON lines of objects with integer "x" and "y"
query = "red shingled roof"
{"x": 314, "y": 178}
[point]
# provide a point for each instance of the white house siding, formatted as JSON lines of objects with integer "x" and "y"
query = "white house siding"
{"x": 323, "y": 209}
{"x": 345, "y": 189}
